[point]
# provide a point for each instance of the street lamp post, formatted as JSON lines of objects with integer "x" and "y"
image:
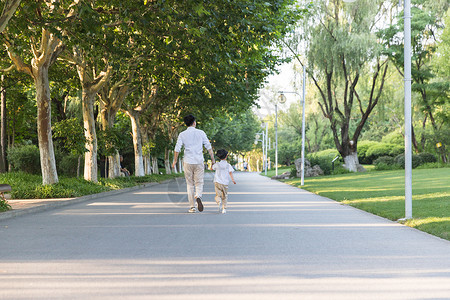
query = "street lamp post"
{"x": 281, "y": 99}
{"x": 302, "y": 168}
{"x": 407, "y": 86}
{"x": 264, "y": 149}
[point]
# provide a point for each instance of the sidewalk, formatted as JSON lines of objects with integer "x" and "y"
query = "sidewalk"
{"x": 27, "y": 206}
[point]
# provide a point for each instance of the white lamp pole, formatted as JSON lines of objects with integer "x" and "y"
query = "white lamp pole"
{"x": 276, "y": 138}
{"x": 302, "y": 181}
{"x": 282, "y": 96}
{"x": 266, "y": 144}
{"x": 408, "y": 125}
{"x": 407, "y": 86}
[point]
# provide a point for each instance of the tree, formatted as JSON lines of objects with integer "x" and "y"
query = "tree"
{"x": 8, "y": 9}
{"x": 425, "y": 26}
{"x": 341, "y": 47}
{"x": 234, "y": 132}
{"x": 44, "y": 46}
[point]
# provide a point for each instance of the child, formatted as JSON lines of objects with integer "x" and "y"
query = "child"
{"x": 223, "y": 172}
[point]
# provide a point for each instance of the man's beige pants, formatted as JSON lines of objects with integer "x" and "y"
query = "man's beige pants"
{"x": 194, "y": 181}
{"x": 221, "y": 194}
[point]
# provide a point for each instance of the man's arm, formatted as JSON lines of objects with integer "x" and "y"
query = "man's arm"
{"x": 175, "y": 158}
{"x": 212, "y": 155}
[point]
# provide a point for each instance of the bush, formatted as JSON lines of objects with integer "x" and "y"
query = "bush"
{"x": 4, "y": 206}
{"x": 435, "y": 165}
{"x": 25, "y": 158}
{"x": 363, "y": 146}
{"x": 382, "y": 149}
{"x": 385, "y": 163}
{"x": 323, "y": 159}
{"x": 400, "y": 160}
{"x": 387, "y": 160}
{"x": 427, "y": 157}
{"x": 394, "y": 137}
{"x": 397, "y": 150}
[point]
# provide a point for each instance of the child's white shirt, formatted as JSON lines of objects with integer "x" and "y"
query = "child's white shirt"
{"x": 223, "y": 169}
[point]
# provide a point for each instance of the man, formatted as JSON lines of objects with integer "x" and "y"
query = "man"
{"x": 193, "y": 140}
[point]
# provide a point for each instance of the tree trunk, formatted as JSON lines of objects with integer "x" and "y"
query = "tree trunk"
{"x": 44, "y": 127}
{"x": 113, "y": 165}
{"x": 351, "y": 162}
{"x": 146, "y": 154}
{"x": 167, "y": 161}
{"x": 155, "y": 169}
{"x": 137, "y": 143}
{"x": 3, "y": 129}
{"x": 90, "y": 157}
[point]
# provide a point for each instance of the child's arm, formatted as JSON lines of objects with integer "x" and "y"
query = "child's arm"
{"x": 232, "y": 179}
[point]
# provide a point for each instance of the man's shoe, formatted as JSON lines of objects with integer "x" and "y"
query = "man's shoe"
{"x": 192, "y": 210}
{"x": 199, "y": 204}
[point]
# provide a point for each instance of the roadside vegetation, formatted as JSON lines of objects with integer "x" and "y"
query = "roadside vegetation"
{"x": 29, "y": 186}
{"x": 382, "y": 193}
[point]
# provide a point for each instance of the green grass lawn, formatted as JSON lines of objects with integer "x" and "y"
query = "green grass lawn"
{"x": 382, "y": 193}
{"x": 272, "y": 171}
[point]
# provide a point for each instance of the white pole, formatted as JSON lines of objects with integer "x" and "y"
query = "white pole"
{"x": 267, "y": 135}
{"x": 263, "y": 143}
{"x": 276, "y": 139}
{"x": 407, "y": 79}
{"x": 303, "y": 129}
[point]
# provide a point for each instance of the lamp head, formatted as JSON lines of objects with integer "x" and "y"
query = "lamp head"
{"x": 281, "y": 98}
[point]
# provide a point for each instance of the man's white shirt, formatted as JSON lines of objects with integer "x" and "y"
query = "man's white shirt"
{"x": 193, "y": 140}
{"x": 223, "y": 169}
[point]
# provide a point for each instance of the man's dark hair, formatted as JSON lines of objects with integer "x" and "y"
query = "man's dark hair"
{"x": 222, "y": 153}
{"x": 189, "y": 120}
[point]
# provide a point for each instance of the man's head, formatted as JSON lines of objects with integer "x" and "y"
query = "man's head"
{"x": 189, "y": 120}
{"x": 222, "y": 153}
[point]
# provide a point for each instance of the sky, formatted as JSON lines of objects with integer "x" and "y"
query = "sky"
{"x": 284, "y": 81}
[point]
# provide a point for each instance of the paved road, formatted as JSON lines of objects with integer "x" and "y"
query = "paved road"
{"x": 276, "y": 241}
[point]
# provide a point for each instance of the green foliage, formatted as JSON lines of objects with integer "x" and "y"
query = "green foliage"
{"x": 69, "y": 164}
{"x": 69, "y": 135}
{"x": 233, "y": 132}
{"x": 382, "y": 149}
{"x": 427, "y": 157}
{"x": 4, "y": 205}
{"x": 416, "y": 160}
{"x": 28, "y": 186}
{"x": 363, "y": 146}
{"x": 324, "y": 160}
{"x": 25, "y": 158}
{"x": 385, "y": 163}
{"x": 393, "y": 137}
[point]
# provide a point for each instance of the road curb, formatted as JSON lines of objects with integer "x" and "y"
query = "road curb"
{"x": 65, "y": 202}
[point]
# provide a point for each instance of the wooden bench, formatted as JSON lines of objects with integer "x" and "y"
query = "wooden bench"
{"x": 4, "y": 188}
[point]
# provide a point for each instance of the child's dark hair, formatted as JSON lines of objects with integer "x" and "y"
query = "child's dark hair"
{"x": 222, "y": 153}
{"x": 189, "y": 120}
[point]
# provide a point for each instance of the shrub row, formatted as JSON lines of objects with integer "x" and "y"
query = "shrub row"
{"x": 369, "y": 151}
{"x": 26, "y": 158}
{"x": 398, "y": 162}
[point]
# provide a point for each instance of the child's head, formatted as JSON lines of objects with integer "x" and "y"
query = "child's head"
{"x": 189, "y": 120}
{"x": 222, "y": 153}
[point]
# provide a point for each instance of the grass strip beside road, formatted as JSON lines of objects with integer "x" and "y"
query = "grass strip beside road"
{"x": 383, "y": 193}
{"x": 27, "y": 186}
